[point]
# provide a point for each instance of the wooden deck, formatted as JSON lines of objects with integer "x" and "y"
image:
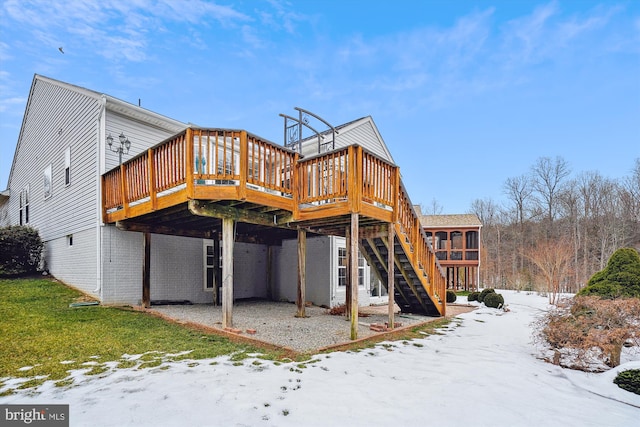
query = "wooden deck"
{"x": 178, "y": 186}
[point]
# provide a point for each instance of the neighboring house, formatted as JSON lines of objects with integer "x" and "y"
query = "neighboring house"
{"x": 456, "y": 240}
{"x": 108, "y": 211}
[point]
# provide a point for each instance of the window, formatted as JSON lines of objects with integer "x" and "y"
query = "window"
{"x": 209, "y": 262}
{"x": 70, "y": 240}
{"x": 342, "y": 268}
{"x": 67, "y": 166}
{"x": 24, "y": 206}
{"x": 209, "y": 268}
{"x": 47, "y": 182}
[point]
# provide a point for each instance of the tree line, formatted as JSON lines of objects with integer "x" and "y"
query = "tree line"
{"x": 556, "y": 230}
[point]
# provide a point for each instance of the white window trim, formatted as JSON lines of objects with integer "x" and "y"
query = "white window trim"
{"x": 67, "y": 167}
{"x": 48, "y": 176}
{"x": 206, "y": 243}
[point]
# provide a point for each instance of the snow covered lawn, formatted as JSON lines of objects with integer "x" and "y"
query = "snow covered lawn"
{"x": 481, "y": 371}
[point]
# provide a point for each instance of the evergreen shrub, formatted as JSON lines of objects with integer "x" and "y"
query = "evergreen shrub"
{"x": 484, "y": 293}
{"x": 473, "y": 296}
{"x": 619, "y": 279}
{"x": 20, "y": 250}
{"x": 451, "y": 296}
{"x": 493, "y": 300}
{"x": 629, "y": 380}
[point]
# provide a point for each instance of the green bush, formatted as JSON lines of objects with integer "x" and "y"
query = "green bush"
{"x": 473, "y": 296}
{"x": 493, "y": 300}
{"x": 629, "y": 380}
{"x": 619, "y": 279}
{"x": 451, "y": 296}
{"x": 484, "y": 293}
{"x": 20, "y": 250}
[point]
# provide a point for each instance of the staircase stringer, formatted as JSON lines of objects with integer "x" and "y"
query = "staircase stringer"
{"x": 383, "y": 269}
{"x": 421, "y": 275}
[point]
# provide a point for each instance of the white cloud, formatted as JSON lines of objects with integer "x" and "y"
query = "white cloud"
{"x": 7, "y": 104}
{"x": 115, "y": 29}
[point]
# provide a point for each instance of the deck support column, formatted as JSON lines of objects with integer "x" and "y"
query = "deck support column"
{"x": 302, "y": 272}
{"x": 391, "y": 274}
{"x": 347, "y": 279}
{"x": 146, "y": 271}
{"x": 353, "y": 273}
{"x": 227, "y": 272}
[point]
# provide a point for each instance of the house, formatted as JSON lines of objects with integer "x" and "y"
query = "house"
{"x": 456, "y": 241}
{"x": 138, "y": 208}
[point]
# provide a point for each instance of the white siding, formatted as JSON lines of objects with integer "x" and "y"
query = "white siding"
{"x": 361, "y": 132}
{"x": 319, "y": 271}
{"x": 141, "y": 135}
{"x": 74, "y": 264}
{"x": 57, "y": 118}
{"x": 365, "y": 136}
{"x": 339, "y": 293}
{"x": 122, "y": 255}
{"x": 177, "y": 269}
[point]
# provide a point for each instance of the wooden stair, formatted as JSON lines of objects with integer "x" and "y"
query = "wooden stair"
{"x": 409, "y": 293}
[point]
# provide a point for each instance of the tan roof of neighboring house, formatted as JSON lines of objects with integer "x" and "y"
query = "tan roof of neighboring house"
{"x": 458, "y": 220}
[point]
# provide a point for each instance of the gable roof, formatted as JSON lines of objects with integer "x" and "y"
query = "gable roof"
{"x": 109, "y": 102}
{"x": 449, "y": 221}
{"x": 362, "y": 131}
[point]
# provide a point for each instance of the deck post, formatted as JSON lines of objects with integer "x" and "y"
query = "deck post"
{"x": 146, "y": 271}
{"x": 347, "y": 291}
{"x": 302, "y": 279}
{"x": 391, "y": 274}
{"x": 227, "y": 272}
{"x": 353, "y": 273}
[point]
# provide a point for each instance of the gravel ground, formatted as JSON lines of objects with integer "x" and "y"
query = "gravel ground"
{"x": 275, "y": 322}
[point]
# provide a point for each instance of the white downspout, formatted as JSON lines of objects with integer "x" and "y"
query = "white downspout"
{"x": 100, "y": 165}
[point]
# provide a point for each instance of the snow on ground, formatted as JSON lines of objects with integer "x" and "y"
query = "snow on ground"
{"x": 481, "y": 371}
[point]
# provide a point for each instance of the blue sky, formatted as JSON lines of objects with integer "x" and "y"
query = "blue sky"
{"x": 465, "y": 93}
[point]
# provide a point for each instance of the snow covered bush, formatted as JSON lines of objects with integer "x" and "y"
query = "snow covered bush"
{"x": 629, "y": 380}
{"x": 493, "y": 300}
{"x": 588, "y": 333}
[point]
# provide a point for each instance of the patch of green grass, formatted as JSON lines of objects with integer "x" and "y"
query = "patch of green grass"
{"x": 462, "y": 293}
{"x": 39, "y": 329}
{"x": 406, "y": 335}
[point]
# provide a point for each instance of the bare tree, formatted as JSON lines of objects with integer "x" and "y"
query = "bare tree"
{"x": 553, "y": 260}
{"x": 547, "y": 176}
{"x": 434, "y": 208}
{"x": 519, "y": 191}
{"x": 630, "y": 199}
{"x": 489, "y": 214}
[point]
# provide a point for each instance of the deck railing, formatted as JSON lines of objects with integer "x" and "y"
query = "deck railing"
{"x": 420, "y": 252}
{"x": 215, "y": 163}
{"x": 324, "y": 178}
